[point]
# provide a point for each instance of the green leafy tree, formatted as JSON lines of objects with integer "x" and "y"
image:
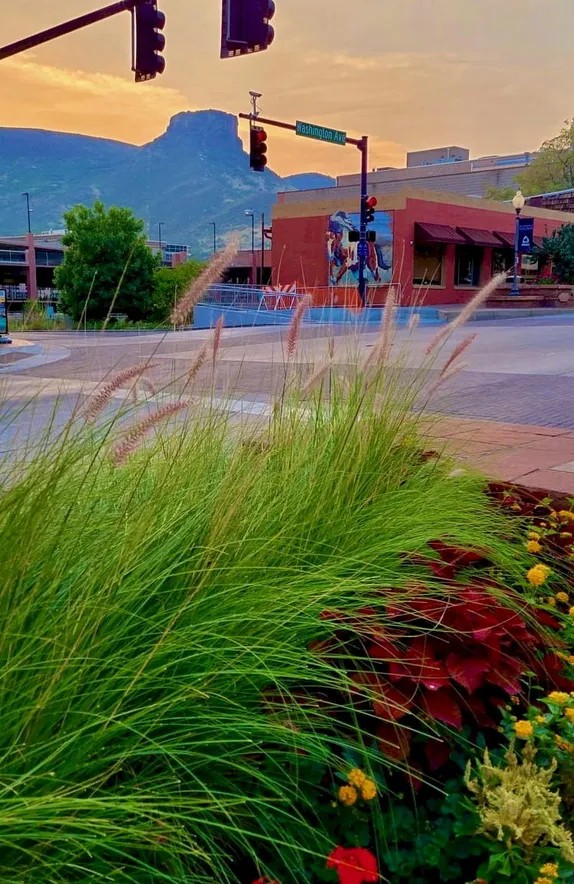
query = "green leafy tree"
{"x": 559, "y": 249}
{"x": 553, "y": 168}
{"x": 500, "y": 193}
{"x": 107, "y": 264}
{"x": 169, "y": 283}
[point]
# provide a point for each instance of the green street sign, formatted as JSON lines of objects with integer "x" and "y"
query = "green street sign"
{"x": 320, "y": 133}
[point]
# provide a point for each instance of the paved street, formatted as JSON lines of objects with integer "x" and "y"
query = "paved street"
{"x": 520, "y": 372}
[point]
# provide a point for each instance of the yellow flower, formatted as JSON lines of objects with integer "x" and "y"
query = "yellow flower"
{"x": 533, "y": 535}
{"x": 558, "y": 697}
{"x": 571, "y": 612}
{"x": 369, "y": 790}
{"x": 549, "y": 869}
{"x": 533, "y": 546}
{"x": 356, "y": 777}
{"x": 543, "y": 881}
{"x": 565, "y": 534}
{"x": 540, "y": 719}
{"x": 569, "y": 713}
{"x": 566, "y": 515}
{"x": 551, "y": 602}
{"x": 538, "y": 574}
{"x": 523, "y": 729}
{"x": 348, "y": 795}
{"x": 562, "y": 597}
{"x": 571, "y": 659}
{"x": 564, "y": 745}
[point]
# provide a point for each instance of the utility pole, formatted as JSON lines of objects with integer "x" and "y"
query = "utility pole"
{"x": 214, "y": 237}
{"x": 363, "y": 249}
{"x": 28, "y": 209}
{"x": 262, "y": 246}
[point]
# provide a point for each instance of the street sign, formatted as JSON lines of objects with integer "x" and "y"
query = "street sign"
{"x": 320, "y": 133}
{"x": 363, "y": 250}
{"x": 3, "y": 314}
{"x": 525, "y": 235}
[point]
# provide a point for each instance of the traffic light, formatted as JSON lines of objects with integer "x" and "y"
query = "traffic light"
{"x": 370, "y": 209}
{"x": 257, "y": 148}
{"x": 245, "y": 26}
{"x": 149, "y": 42}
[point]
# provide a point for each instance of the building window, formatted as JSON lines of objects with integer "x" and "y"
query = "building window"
{"x": 502, "y": 261}
{"x": 428, "y": 264}
{"x": 467, "y": 265}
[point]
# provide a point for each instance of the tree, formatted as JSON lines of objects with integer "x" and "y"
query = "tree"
{"x": 502, "y": 194}
{"x": 169, "y": 283}
{"x": 553, "y": 168}
{"x": 107, "y": 264}
{"x": 559, "y": 248}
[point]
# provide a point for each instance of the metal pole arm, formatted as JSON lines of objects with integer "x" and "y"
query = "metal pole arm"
{"x": 68, "y": 27}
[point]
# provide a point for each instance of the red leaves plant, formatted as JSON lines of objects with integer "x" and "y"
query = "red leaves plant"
{"x": 354, "y": 865}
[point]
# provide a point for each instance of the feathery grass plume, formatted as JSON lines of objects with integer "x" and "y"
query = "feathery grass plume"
{"x": 414, "y": 320}
{"x": 295, "y": 324}
{"x": 458, "y": 350}
{"x": 217, "y": 337}
{"x": 331, "y": 347}
{"x": 316, "y": 377}
{"x": 467, "y": 311}
{"x": 197, "y": 363}
{"x": 134, "y": 437}
{"x": 445, "y": 375}
{"x": 195, "y": 291}
{"x": 98, "y": 401}
{"x": 380, "y": 352}
{"x": 146, "y": 384}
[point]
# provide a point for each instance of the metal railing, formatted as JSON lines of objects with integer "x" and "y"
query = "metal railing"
{"x": 18, "y": 294}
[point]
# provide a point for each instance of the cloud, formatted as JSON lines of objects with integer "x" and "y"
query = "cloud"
{"x": 49, "y": 97}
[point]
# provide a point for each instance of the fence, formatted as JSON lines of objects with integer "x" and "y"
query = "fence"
{"x": 18, "y": 294}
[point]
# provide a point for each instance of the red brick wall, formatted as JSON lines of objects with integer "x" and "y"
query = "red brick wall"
{"x": 299, "y": 248}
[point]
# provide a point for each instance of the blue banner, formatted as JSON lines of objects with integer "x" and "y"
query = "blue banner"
{"x": 3, "y": 313}
{"x": 525, "y": 235}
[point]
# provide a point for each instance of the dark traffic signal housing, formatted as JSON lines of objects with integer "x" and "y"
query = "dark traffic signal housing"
{"x": 257, "y": 148}
{"x": 149, "y": 42}
{"x": 370, "y": 204}
{"x": 245, "y": 26}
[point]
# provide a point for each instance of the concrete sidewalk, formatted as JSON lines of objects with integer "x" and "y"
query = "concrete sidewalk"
{"x": 538, "y": 457}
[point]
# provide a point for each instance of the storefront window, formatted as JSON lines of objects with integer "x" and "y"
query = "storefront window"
{"x": 502, "y": 260}
{"x": 427, "y": 264}
{"x": 467, "y": 266}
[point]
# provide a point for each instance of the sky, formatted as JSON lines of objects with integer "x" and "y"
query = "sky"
{"x": 496, "y": 77}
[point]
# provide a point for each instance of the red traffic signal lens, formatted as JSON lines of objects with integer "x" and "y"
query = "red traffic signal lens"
{"x": 261, "y": 135}
{"x": 372, "y": 202}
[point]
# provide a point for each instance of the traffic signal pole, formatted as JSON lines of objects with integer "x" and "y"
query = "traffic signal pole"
{"x": 363, "y": 145}
{"x": 68, "y": 27}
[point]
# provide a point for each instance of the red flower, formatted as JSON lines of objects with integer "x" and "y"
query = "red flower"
{"x": 355, "y": 865}
{"x": 265, "y": 880}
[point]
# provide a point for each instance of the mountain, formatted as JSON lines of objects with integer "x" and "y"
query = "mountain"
{"x": 195, "y": 173}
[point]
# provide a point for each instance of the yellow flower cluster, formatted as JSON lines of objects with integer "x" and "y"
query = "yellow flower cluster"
{"x": 571, "y": 612}
{"x": 540, "y": 719}
{"x": 569, "y": 714}
{"x": 565, "y": 745}
{"x": 538, "y": 575}
{"x": 566, "y": 516}
{"x": 562, "y": 597}
{"x": 358, "y": 783}
{"x": 560, "y": 698}
{"x": 533, "y": 546}
{"x": 550, "y": 870}
{"x": 523, "y": 729}
{"x": 533, "y": 535}
{"x": 544, "y": 881}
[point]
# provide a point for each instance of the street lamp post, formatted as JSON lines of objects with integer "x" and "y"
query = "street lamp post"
{"x": 518, "y": 202}
{"x": 262, "y": 248}
{"x": 214, "y": 237}
{"x": 251, "y": 215}
{"x": 29, "y": 211}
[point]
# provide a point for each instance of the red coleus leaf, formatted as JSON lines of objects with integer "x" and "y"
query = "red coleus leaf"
{"x": 506, "y": 675}
{"x": 455, "y": 555}
{"x": 354, "y": 865}
{"x": 414, "y": 776}
{"x": 392, "y": 703}
{"x": 437, "y": 753}
{"x": 551, "y": 670}
{"x": 478, "y": 710}
{"x": 383, "y": 649}
{"x": 394, "y": 741}
{"x": 467, "y": 671}
{"x": 443, "y": 706}
{"x": 419, "y": 665}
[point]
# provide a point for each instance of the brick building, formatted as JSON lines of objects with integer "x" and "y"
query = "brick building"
{"x": 435, "y": 247}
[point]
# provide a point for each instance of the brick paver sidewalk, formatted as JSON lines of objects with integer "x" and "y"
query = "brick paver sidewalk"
{"x": 539, "y": 457}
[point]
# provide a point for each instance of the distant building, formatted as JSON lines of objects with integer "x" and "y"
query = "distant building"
{"x": 444, "y": 169}
{"x": 27, "y": 265}
{"x": 559, "y": 200}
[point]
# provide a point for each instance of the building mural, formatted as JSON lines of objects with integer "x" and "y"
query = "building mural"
{"x": 342, "y": 254}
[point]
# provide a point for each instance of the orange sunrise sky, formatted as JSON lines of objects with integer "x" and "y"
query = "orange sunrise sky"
{"x": 497, "y": 77}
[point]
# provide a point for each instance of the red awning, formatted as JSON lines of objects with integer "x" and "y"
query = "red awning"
{"x": 507, "y": 239}
{"x": 437, "y": 233}
{"x": 482, "y": 238}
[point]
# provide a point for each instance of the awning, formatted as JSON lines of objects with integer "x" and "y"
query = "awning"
{"x": 507, "y": 239}
{"x": 437, "y": 233}
{"x": 482, "y": 238}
